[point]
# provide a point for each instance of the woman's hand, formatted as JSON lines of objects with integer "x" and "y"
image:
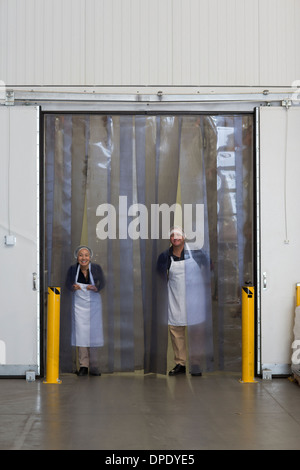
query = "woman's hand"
{"x": 91, "y": 287}
{"x": 76, "y": 287}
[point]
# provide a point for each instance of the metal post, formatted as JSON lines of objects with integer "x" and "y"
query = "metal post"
{"x": 248, "y": 357}
{"x": 298, "y": 294}
{"x": 53, "y": 331}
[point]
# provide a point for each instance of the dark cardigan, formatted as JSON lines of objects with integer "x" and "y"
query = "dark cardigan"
{"x": 97, "y": 273}
{"x": 164, "y": 259}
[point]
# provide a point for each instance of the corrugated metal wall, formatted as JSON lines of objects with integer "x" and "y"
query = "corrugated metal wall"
{"x": 149, "y": 42}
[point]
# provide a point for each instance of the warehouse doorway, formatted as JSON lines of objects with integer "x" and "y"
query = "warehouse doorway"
{"x": 96, "y": 162}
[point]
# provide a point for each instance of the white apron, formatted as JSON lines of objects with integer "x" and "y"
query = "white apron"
{"x": 186, "y": 293}
{"x": 176, "y": 294}
{"x": 87, "y": 330}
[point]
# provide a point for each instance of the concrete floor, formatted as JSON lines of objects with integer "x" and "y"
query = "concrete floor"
{"x": 137, "y": 412}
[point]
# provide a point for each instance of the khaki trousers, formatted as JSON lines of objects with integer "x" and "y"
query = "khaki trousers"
{"x": 177, "y": 334}
{"x": 88, "y": 357}
{"x": 83, "y": 356}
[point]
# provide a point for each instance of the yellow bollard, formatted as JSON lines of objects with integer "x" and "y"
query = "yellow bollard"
{"x": 298, "y": 294}
{"x": 248, "y": 335}
{"x": 53, "y": 327}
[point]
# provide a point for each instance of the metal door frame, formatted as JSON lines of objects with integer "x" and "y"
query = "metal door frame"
{"x": 185, "y": 100}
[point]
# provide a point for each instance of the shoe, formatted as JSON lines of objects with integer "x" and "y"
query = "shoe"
{"x": 82, "y": 371}
{"x": 178, "y": 369}
{"x": 195, "y": 371}
{"x": 96, "y": 374}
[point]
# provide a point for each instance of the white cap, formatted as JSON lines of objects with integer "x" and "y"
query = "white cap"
{"x": 177, "y": 229}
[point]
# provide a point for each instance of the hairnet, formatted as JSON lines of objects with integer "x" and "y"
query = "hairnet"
{"x": 177, "y": 229}
{"x": 82, "y": 247}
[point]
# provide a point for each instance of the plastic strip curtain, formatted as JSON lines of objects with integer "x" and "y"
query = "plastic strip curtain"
{"x": 232, "y": 248}
{"x": 197, "y": 274}
{"x": 128, "y": 164}
{"x": 65, "y": 189}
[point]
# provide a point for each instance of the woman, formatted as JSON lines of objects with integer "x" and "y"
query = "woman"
{"x": 85, "y": 280}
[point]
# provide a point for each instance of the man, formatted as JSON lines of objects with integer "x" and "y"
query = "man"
{"x": 181, "y": 269}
